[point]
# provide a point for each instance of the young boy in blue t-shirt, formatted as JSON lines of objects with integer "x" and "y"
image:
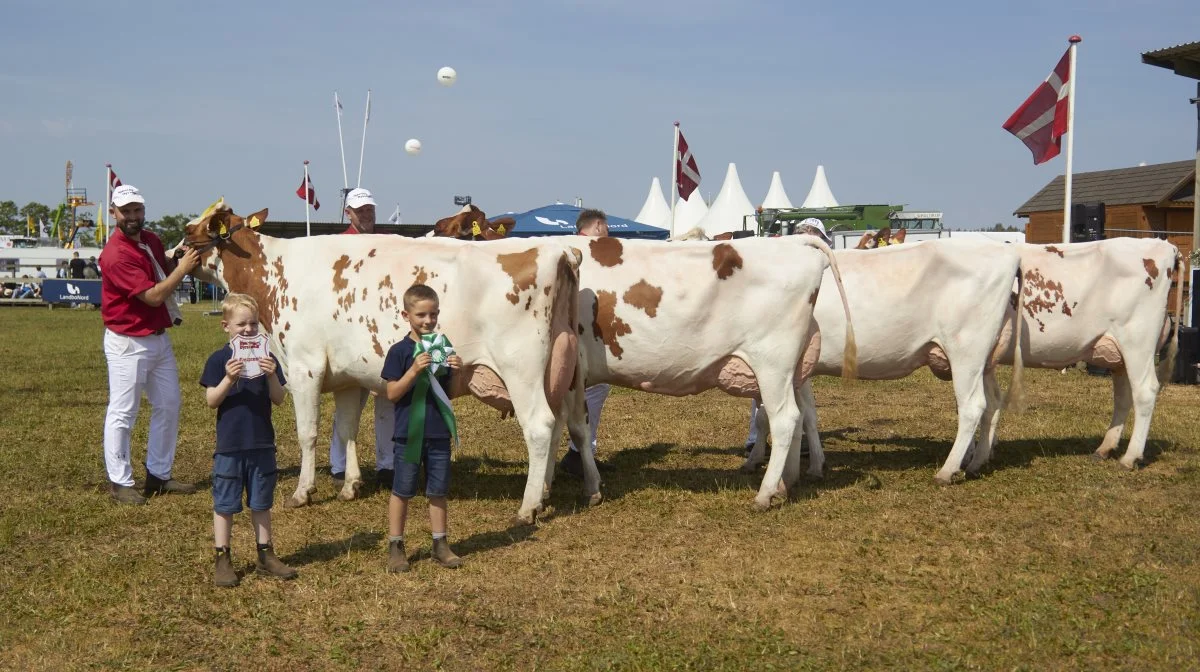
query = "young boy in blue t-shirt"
{"x": 245, "y": 457}
{"x": 402, "y": 370}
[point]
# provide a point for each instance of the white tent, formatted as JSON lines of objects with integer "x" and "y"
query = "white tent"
{"x": 689, "y": 213}
{"x": 728, "y": 208}
{"x": 655, "y": 211}
{"x": 819, "y": 196}
{"x": 776, "y": 196}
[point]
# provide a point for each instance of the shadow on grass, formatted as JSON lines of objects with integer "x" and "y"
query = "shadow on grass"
{"x": 328, "y": 550}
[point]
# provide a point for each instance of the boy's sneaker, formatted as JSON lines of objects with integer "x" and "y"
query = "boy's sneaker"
{"x": 397, "y": 559}
{"x": 225, "y": 576}
{"x": 269, "y": 564}
{"x": 124, "y": 494}
{"x": 443, "y": 556}
{"x": 158, "y": 486}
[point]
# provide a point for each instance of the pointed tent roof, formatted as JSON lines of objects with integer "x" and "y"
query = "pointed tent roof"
{"x": 728, "y": 208}
{"x": 655, "y": 210}
{"x": 689, "y": 213}
{"x": 819, "y": 196}
{"x": 776, "y": 196}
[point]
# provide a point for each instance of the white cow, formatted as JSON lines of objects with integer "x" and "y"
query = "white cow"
{"x": 1104, "y": 303}
{"x": 686, "y": 317}
{"x": 332, "y": 307}
{"x": 938, "y": 303}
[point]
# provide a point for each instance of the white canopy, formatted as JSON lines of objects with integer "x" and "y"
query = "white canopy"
{"x": 730, "y": 205}
{"x": 819, "y": 196}
{"x": 689, "y": 213}
{"x": 655, "y": 211}
{"x": 776, "y": 196}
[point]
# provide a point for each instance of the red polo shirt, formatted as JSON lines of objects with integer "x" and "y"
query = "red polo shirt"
{"x": 127, "y": 272}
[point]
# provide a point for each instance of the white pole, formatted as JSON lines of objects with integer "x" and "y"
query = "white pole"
{"x": 307, "y": 191}
{"x": 337, "y": 106}
{"x": 672, "y": 190}
{"x": 366, "y": 118}
{"x": 1074, "y": 40}
{"x": 107, "y": 199}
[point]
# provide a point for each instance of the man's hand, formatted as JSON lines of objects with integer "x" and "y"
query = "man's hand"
{"x": 233, "y": 369}
{"x": 190, "y": 259}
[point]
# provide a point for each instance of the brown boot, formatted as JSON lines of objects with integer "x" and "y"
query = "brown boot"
{"x": 443, "y": 556}
{"x": 269, "y": 564}
{"x": 225, "y": 576}
{"x": 123, "y": 494}
{"x": 397, "y": 558}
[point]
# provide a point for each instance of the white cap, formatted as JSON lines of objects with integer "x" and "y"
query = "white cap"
{"x": 126, "y": 194}
{"x": 816, "y": 224}
{"x": 358, "y": 198}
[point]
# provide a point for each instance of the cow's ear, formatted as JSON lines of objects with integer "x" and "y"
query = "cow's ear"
{"x": 864, "y": 243}
{"x": 256, "y": 220}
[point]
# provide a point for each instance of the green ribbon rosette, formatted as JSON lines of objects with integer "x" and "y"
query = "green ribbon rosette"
{"x": 439, "y": 349}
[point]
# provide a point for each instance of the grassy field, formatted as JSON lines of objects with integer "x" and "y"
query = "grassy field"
{"x": 1048, "y": 561}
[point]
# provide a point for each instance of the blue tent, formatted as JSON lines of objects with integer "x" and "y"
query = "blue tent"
{"x": 559, "y": 220}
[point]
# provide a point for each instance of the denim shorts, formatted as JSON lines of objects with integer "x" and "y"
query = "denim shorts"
{"x": 435, "y": 458}
{"x": 250, "y": 471}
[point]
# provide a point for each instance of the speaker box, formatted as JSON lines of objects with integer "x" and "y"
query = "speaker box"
{"x": 1087, "y": 222}
{"x": 742, "y": 234}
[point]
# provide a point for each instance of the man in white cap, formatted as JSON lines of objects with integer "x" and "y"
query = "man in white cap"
{"x": 360, "y": 210}
{"x": 815, "y": 227}
{"x": 137, "y": 307}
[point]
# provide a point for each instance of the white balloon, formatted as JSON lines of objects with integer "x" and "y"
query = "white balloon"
{"x": 447, "y": 76}
{"x": 413, "y": 146}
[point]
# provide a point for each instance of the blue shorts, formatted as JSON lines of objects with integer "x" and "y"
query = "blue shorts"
{"x": 435, "y": 458}
{"x": 250, "y": 471}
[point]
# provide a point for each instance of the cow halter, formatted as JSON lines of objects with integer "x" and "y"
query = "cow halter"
{"x": 226, "y": 232}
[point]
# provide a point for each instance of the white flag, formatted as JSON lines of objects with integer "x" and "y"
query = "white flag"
{"x": 395, "y": 218}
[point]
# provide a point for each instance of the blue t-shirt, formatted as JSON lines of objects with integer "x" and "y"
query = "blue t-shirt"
{"x": 398, "y": 361}
{"x": 244, "y": 418}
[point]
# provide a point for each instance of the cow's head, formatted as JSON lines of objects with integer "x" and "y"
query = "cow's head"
{"x": 223, "y": 237}
{"x": 471, "y": 223}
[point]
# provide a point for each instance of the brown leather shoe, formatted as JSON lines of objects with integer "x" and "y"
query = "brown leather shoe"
{"x": 397, "y": 558}
{"x": 269, "y": 564}
{"x": 443, "y": 556}
{"x": 157, "y": 486}
{"x": 224, "y": 576}
{"x": 124, "y": 494}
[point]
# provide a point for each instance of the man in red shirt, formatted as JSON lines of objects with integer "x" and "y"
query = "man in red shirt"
{"x": 137, "y": 307}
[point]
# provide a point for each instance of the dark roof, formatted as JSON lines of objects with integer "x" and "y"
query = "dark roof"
{"x": 297, "y": 229}
{"x": 1124, "y": 186}
{"x": 1182, "y": 59}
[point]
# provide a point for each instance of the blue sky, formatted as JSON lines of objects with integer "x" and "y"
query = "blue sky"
{"x": 901, "y": 102}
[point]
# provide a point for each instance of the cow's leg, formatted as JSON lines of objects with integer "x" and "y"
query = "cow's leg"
{"x": 306, "y": 398}
{"x": 348, "y": 406}
{"x": 579, "y": 428}
{"x": 816, "y": 453}
{"x": 972, "y": 400}
{"x": 1122, "y": 403}
{"x": 981, "y": 452}
{"x": 537, "y": 424}
{"x": 1144, "y": 388}
{"x": 779, "y": 401}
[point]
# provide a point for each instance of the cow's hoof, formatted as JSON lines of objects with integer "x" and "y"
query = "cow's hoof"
{"x": 749, "y": 467}
{"x": 1129, "y": 465}
{"x": 297, "y": 501}
{"x": 349, "y": 492}
{"x": 951, "y": 479}
{"x": 1098, "y": 456}
{"x": 759, "y": 506}
{"x": 595, "y": 498}
{"x": 525, "y": 518}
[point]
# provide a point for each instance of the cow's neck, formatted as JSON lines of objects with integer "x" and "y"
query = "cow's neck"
{"x": 245, "y": 269}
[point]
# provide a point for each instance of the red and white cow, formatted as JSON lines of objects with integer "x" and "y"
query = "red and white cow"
{"x": 938, "y": 303}
{"x": 682, "y": 318}
{"x": 332, "y": 306}
{"x": 1104, "y": 303}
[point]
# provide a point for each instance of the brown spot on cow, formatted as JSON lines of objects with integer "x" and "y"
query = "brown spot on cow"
{"x": 372, "y": 326}
{"x": 386, "y": 282}
{"x": 310, "y": 374}
{"x": 339, "y": 267}
{"x": 358, "y": 265}
{"x": 281, "y": 335}
{"x": 812, "y": 298}
{"x": 606, "y": 326}
{"x": 419, "y": 275}
{"x": 607, "y": 251}
{"x": 1054, "y": 250}
{"x": 726, "y": 260}
{"x": 287, "y": 326}
{"x": 364, "y": 296}
{"x": 1042, "y": 295}
{"x": 371, "y": 253}
{"x": 528, "y": 302}
{"x": 645, "y": 296}
{"x": 377, "y": 346}
{"x": 1151, "y": 272}
{"x": 522, "y": 268}
{"x": 294, "y": 303}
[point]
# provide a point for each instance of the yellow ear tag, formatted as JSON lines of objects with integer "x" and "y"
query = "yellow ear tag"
{"x": 475, "y": 230}
{"x": 254, "y": 222}
{"x": 500, "y": 229}
{"x": 224, "y": 230}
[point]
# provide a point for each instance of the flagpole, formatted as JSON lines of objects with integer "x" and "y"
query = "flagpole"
{"x": 363, "y": 149}
{"x": 308, "y": 191}
{"x": 1074, "y": 40}
{"x": 337, "y": 107}
{"x": 672, "y": 192}
{"x": 108, "y": 194}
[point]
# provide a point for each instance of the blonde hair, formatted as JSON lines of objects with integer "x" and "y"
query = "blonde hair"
{"x": 417, "y": 293}
{"x": 236, "y": 300}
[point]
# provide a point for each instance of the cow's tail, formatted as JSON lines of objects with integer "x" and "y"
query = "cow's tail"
{"x": 1014, "y": 400}
{"x": 1167, "y": 365}
{"x": 850, "y": 353}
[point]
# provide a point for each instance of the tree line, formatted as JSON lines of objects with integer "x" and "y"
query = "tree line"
{"x": 14, "y": 222}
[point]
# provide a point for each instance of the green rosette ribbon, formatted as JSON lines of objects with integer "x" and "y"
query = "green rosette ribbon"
{"x": 439, "y": 349}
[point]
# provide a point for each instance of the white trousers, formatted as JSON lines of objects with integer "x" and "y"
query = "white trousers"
{"x": 596, "y": 396}
{"x": 385, "y": 422}
{"x": 753, "y": 436}
{"x": 139, "y": 364}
